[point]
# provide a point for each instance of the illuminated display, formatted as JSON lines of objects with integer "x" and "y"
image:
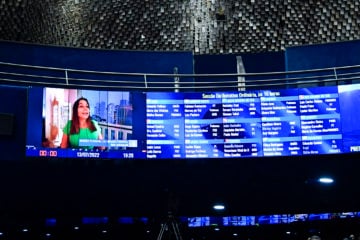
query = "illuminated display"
{"x": 280, "y": 123}
{"x": 320, "y": 120}
{"x": 164, "y": 124}
{"x": 75, "y": 123}
{"x": 203, "y": 125}
{"x": 231, "y": 221}
{"x": 169, "y": 125}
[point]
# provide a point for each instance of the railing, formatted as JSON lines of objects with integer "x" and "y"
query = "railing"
{"x": 21, "y": 74}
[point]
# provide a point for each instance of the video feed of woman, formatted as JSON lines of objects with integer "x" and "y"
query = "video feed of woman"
{"x": 84, "y": 123}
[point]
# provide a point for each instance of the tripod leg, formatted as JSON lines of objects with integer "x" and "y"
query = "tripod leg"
{"x": 176, "y": 231}
{"x": 163, "y": 227}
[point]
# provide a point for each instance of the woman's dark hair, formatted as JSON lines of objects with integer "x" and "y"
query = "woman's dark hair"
{"x": 75, "y": 125}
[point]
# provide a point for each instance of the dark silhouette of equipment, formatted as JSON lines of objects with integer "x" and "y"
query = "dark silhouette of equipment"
{"x": 171, "y": 228}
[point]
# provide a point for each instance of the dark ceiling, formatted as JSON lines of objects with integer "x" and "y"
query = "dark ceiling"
{"x": 200, "y": 26}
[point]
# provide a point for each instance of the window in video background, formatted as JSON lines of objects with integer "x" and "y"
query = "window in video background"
{"x": 110, "y": 109}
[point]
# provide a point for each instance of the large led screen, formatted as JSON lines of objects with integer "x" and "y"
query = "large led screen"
{"x": 236, "y": 221}
{"x": 167, "y": 125}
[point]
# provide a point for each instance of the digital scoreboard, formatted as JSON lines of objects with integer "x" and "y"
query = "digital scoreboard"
{"x": 174, "y": 125}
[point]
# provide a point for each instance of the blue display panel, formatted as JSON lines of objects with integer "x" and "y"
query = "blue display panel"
{"x": 239, "y": 221}
{"x": 199, "y": 222}
{"x": 320, "y": 120}
{"x": 170, "y": 125}
{"x": 164, "y": 125}
{"x": 281, "y": 131}
{"x": 231, "y": 221}
{"x": 349, "y": 97}
{"x": 321, "y": 216}
{"x": 203, "y": 125}
{"x": 242, "y": 124}
{"x": 273, "y": 219}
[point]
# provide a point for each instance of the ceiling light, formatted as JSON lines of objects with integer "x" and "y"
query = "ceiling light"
{"x": 325, "y": 180}
{"x": 219, "y": 207}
